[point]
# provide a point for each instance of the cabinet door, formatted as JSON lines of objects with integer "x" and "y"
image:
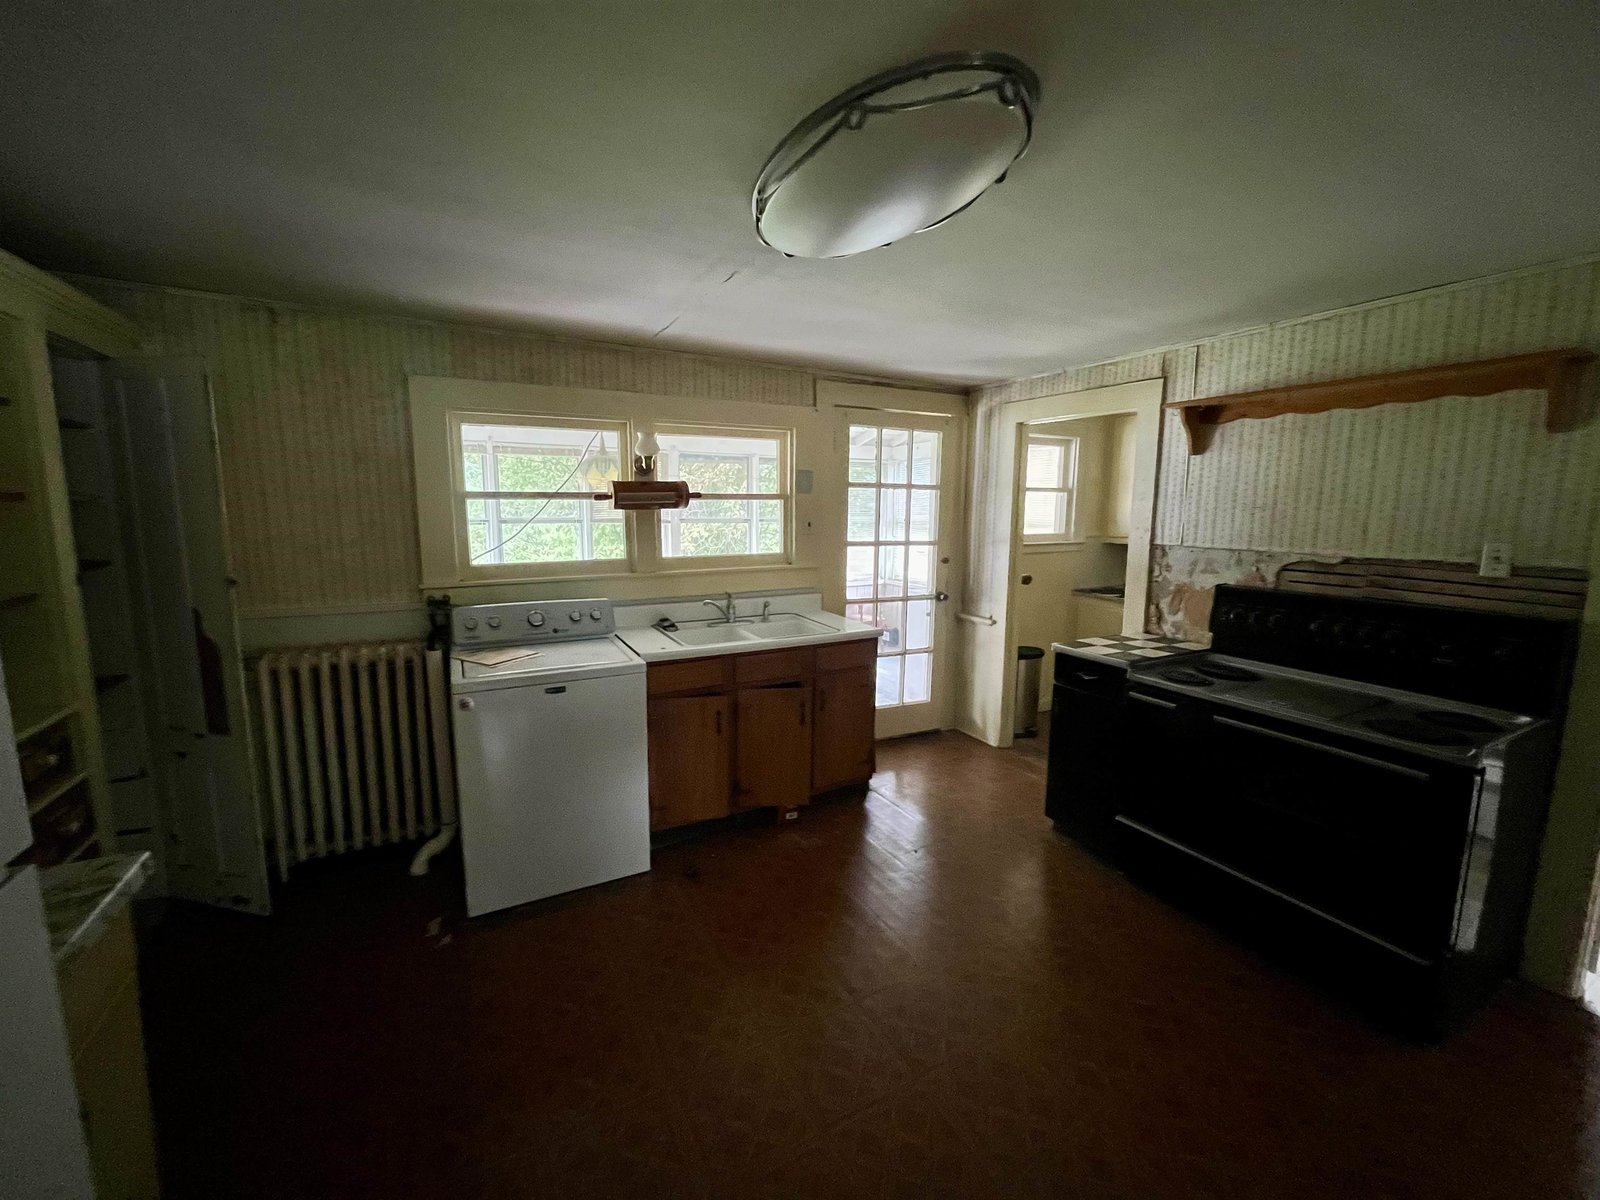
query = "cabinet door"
{"x": 842, "y": 746}
{"x": 774, "y": 754}
{"x": 691, "y": 739}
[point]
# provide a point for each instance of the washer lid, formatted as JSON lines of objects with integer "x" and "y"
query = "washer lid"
{"x": 590, "y": 656}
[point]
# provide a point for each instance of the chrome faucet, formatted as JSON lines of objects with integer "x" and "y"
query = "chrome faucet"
{"x": 728, "y": 608}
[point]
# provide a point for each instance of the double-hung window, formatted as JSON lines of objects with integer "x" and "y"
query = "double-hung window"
{"x": 525, "y": 487}
{"x": 1049, "y": 489}
{"x": 742, "y": 475}
{"x": 526, "y": 494}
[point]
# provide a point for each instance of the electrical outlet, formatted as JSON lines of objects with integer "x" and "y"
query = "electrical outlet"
{"x": 1496, "y": 561}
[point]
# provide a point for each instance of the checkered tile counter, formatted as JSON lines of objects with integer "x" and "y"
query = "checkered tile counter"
{"x": 1124, "y": 649}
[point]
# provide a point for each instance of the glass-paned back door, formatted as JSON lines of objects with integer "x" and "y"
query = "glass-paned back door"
{"x": 894, "y": 564}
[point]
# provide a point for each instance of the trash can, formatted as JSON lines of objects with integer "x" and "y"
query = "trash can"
{"x": 1030, "y": 662}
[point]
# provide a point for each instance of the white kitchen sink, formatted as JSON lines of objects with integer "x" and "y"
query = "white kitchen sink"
{"x": 715, "y": 635}
{"x": 786, "y": 625}
{"x": 778, "y": 628}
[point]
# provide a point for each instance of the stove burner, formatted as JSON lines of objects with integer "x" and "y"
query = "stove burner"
{"x": 1420, "y": 732}
{"x": 1192, "y": 678}
{"x": 1226, "y": 671}
{"x": 1465, "y": 722}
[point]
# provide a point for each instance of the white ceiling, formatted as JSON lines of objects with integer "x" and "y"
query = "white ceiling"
{"x": 586, "y": 167}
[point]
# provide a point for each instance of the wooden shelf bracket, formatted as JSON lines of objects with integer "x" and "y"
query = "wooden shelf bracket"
{"x": 1554, "y": 372}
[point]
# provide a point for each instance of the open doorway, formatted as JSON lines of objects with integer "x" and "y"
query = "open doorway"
{"x": 1064, "y": 498}
{"x": 1073, "y": 495}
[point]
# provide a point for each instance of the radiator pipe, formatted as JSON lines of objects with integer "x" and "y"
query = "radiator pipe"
{"x": 425, "y": 852}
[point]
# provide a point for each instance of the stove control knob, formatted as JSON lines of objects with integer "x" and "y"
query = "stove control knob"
{"x": 469, "y": 622}
{"x": 1277, "y": 622}
{"x": 594, "y": 614}
{"x": 536, "y": 619}
{"x": 494, "y": 622}
{"x": 576, "y": 614}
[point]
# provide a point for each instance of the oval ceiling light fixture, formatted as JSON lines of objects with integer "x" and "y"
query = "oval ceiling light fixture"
{"x": 902, "y": 152}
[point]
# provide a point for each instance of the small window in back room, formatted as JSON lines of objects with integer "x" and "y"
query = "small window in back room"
{"x": 527, "y": 488}
{"x": 742, "y": 476}
{"x": 1049, "y": 489}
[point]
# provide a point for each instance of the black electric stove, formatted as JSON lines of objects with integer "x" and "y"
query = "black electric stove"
{"x": 1366, "y": 777}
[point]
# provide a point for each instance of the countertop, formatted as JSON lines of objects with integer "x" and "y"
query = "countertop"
{"x": 652, "y": 645}
{"x": 80, "y": 897}
{"x": 1126, "y": 650}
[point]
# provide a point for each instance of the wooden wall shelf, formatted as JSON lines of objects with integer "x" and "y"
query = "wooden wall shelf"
{"x": 1554, "y": 372}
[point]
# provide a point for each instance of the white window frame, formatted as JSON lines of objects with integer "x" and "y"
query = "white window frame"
{"x": 1068, "y": 490}
{"x": 641, "y": 530}
{"x": 470, "y": 571}
{"x": 661, "y": 561}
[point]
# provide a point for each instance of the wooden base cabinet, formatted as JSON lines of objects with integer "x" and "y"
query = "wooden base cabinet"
{"x": 774, "y": 756}
{"x": 768, "y": 729}
{"x": 843, "y": 746}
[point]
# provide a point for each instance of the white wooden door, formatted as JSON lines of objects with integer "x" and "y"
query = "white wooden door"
{"x": 901, "y": 520}
{"x": 178, "y": 565}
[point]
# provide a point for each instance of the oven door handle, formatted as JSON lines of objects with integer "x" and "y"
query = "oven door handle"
{"x": 1143, "y": 699}
{"x": 1396, "y": 768}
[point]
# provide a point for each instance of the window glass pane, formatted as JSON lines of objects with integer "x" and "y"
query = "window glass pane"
{"x": 891, "y": 623}
{"x": 924, "y": 514}
{"x": 919, "y": 624}
{"x": 477, "y": 539}
{"x": 1045, "y": 461}
{"x": 858, "y": 572}
{"x": 892, "y": 515}
{"x": 863, "y": 454}
{"x": 769, "y": 526}
{"x": 859, "y": 612}
{"x": 610, "y": 541}
{"x": 924, "y": 457}
{"x": 863, "y": 518}
{"x": 891, "y": 571}
{"x": 539, "y": 458}
{"x": 888, "y": 682}
{"x": 1043, "y": 513}
{"x": 918, "y": 678}
{"x": 714, "y": 462}
{"x": 896, "y": 456}
{"x": 726, "y": 464}
{"x": 919, "y": 571}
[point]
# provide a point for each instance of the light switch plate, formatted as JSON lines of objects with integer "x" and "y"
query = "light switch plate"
{"x": 1496, "y": 561}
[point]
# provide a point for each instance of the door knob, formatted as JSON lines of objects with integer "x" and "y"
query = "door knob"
{"x": 941, "y": 597}
{"x": 465, "y": 704}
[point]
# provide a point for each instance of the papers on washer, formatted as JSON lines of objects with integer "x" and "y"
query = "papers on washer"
{"x": 493, "y": 656}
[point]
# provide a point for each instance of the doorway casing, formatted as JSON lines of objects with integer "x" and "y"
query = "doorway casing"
{"x": 989, "y": 650}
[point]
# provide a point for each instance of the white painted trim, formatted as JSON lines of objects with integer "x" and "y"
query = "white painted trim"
{"x": 66, "y": 311}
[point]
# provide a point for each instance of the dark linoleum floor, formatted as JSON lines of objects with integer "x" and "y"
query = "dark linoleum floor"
{"x": 926, "y": 993}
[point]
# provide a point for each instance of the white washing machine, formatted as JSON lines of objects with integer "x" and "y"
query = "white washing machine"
{"x": 548, "y": 709}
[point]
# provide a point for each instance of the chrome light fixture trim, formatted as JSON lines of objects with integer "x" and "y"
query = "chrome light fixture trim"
{"x": 969, "y": 74}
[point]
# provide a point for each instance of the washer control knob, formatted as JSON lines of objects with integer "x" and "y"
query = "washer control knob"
{"x": 466, "y": 704}
{"x": 594, "y": 614}
{"x": 576, "y": 614}
{"x": 494, "y": 622}
{"x": 469, "y": 622}
{"x": 536, "y": 619}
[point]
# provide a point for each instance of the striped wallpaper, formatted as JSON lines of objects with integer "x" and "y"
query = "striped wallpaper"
{"x": 315, "y": 439}
{"x": 1431, "y": 480}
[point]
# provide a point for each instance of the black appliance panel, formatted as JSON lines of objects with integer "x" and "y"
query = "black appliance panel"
{"x": 1521, "y": 664}
{"x": 1089, "y": 766}
{"x": 1368, "y": 836}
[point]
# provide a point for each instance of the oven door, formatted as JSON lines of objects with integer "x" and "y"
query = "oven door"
{"x": 1369, "y": 837}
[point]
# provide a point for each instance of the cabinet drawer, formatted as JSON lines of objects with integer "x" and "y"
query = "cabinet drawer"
{"x": 688, "y": 675}
{"x": 772, "y": 665}
{"x": 844, "y": 655}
